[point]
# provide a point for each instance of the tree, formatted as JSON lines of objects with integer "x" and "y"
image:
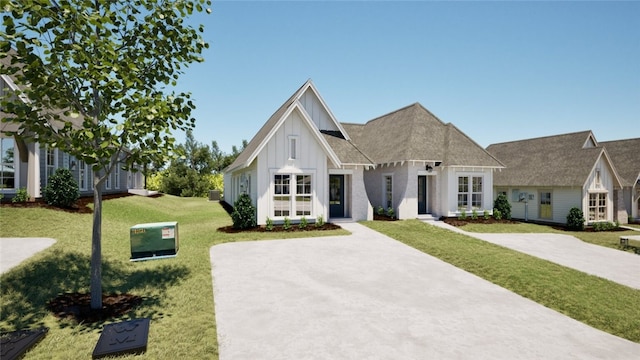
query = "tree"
{"x": 188, "y": 171}
{"x": 106, "y": 64}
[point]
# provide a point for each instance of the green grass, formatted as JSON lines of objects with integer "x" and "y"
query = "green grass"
{"x": 178, "y": 295}
{"x": 600, "y": 303}
{"x": 603, "y": 238}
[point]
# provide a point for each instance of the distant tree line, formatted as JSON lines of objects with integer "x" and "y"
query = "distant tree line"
{"x": 195, "y": 169}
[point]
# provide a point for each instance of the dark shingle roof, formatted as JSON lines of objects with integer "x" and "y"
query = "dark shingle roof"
{"x": 560, "y": 160}
{"x": 346, "y": 151}
{"x": 414, "y": 133}
{"x": 625, "y": 155}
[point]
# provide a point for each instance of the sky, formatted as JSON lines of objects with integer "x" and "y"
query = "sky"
{"x": 499, "y": 71}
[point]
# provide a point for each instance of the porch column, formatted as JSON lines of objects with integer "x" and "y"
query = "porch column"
{"x": 33, "y": 170}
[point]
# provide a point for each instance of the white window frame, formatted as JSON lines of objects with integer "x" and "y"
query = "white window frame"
{"x": 49, "y": 151}
{"x": 281, "y": 190}
{"x": 292, "y": 195}
{"x": 600, "y": 211}
{"x": 294, "y": 147}
{"x": 107, "y": 182}
{"x": 468, "y": 196}
{"x": 15, "y": 165}
{"x": 82, "y": 175}
{"x": 116, "y": 177}
{"x": 387, "y": 192}
{"x": 299, "y": 195}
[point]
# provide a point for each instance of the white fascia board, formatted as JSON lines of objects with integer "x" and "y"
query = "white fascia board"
{"x": 610, "y": 164}
{"x": 316, "y": 133}
{"x": 333, "y": 118}
{"x": 12, "y": 85}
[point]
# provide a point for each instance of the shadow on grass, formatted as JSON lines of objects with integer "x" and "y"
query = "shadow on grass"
{"x": 26, "y": 291}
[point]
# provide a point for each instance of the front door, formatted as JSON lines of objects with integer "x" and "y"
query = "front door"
{"x": 545, "y": 205}
{"x": 336, "y": 196}
{"x": 422, "y": 194}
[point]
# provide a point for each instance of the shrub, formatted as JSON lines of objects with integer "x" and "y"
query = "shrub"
{"x": 390, "y": 213}
{"x": 575, "y": 219}
{"x": 287, "y": 224}
{"x": 603, "y": 226}
{"x": 502, "y": 204}
{"x": 21, "y": 196}
{"x": 380, "y": 210}
{"x": 269, "y": 226}
{"x": 497, "y": 214}
{"x": 244, "y": 213}
{"x": 463, "y": 215}
{"x": 319, "y": 221}
{"x": 62, "y": 189}
{"x": 303, "y": 223}
{"x": 474, "y": 214}
{"x": 485, "y": 215}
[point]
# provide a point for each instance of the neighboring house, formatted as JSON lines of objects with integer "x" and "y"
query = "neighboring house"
{"x": 304, "y": 163}
{"x": 27, "y": 164}
{"x": 545, "y": 177}
{"x": 625, "y": 155}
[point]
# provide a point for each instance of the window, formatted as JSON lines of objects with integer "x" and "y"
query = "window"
{"x": 598, "y": 179}
{"x": 463, "y": 192}
{"x": 7, "y": 163}
{"x": 597, "y": 206}
{"x": 293, "y": 147}
{"x": 51, "y": 162}
{"x": 282, "y": 197}
{"x": 116, "y": 177}
{"x": 473, "y": 192}
{"x": 107, "y": 182}
{"x": 82, "y": 175}
{"x": 476, "y": 195}
{"x": 388, "y": 191}
{"x": 303, "y": 195}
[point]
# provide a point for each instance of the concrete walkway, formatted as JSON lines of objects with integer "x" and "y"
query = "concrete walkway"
{"x": 13, "y": 251}
{"x": 615, "y": 265}
{"x": 367, "y": 296}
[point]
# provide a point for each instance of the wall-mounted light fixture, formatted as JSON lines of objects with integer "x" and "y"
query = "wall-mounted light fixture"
{"x": 429, "y": 168}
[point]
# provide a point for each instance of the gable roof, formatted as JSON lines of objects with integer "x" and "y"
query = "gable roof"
{"x": 625, "y": 155}
{"x": 274, "y": 122}
{"x": 413, "y": 133}
{"x": 559, "y": 160}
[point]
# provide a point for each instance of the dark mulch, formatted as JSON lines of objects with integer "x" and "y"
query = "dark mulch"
{"x": 280, "y": 228}
{"x": 377, "y": 217}
{"x": 77, "y": 306}
{"x": 80, "y": 207}
{"x": 458, "y": 222}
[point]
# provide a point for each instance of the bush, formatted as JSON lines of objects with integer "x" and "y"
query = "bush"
{"x": 380, "y": 210}
{"x": 303, "y": 223}
{"x": 463, "y": 215}
{"x": 62, "y": 189}
{"x": 604, "y": 226}
{"x": 497, "y": 214}
{"x": 575, "y": 219}
{"x": 485, "y": 215}
{"x": 319, "y": 221}
{"x": 474, "y": 214}
{"x": 269, "y": 226}
{"x": 287, "y": 223}
{"x": 390, "y": 213}
{"x": 502, "y": 204}
{"x": 244, "y": 213}
{"x": 21, "y": 196}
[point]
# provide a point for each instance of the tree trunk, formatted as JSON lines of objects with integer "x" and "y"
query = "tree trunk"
{"x": 96, "y": 247}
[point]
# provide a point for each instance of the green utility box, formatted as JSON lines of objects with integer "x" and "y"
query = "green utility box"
{"x": 154, "y": 240}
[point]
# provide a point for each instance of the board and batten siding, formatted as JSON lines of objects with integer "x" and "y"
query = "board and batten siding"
{"x": 317, "y": 111}
{"x": 274, "y": 159}
{"x": 562, "y": 200}
{"x": 600, "y": 180}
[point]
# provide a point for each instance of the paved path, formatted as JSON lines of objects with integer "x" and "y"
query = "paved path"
{"x": 13, "y": 251}
{"x": 367, "y": 296}
{"x": 615, "y": 265}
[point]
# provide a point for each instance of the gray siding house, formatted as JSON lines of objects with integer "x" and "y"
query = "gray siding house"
{"x": 304, "y": 163}
{"x": 545, "y": 177}
{"x": 625, "y": 155}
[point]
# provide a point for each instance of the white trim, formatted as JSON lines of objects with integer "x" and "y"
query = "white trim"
{"x": 294, "y": 146}
{"x": 16, "y": 166}
{"x": 385, "y": 204}
{"x": 340, "y": 172}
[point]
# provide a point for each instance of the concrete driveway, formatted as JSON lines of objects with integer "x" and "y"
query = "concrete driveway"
{"x": 13, "y": 251}
{"x": 367, "y": 296}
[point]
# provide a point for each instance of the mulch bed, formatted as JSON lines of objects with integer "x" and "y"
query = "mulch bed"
{"x": 77, "y": 306}
{"x": 280, "y": 228}
{"x": 377, "y": 217}
{"x": 458, "y": 222}
{"x": 80, "y": 207}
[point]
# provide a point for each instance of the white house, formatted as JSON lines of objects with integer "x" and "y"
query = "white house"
{"x": 545, "y": 177}
{"x": 625, "y": 155}
{"x": 304, "y": 163}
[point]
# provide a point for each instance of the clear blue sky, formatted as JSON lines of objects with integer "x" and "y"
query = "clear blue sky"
{"x": 499, "y": 71}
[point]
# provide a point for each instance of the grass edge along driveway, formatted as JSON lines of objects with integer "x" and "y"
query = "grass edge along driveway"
{"x": 597, "y": 302}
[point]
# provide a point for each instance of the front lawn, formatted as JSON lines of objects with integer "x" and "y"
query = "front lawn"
{"x": 603, "y": 238}
{"x": 600, "y": 303}
{"x": 177, "y": 292}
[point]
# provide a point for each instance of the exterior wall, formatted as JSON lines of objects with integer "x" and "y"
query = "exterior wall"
{"x": 357, "y": 205}
{"x": 374, "y": 184}
{"x": 600, "y": 180}
{"x": 449, "y": 196}
{"x": 317, "y": 111}
{"x": 274, "y": 159}
{"x": 562, "y": 200}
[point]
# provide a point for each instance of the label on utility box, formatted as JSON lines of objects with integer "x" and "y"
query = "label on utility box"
{"x": 168, "y": 233}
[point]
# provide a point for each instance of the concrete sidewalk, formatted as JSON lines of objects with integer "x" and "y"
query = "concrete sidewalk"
{"x": 367, "y": 296}
{"x": 13, "y": 251}
{"x": 615, "y": 265}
